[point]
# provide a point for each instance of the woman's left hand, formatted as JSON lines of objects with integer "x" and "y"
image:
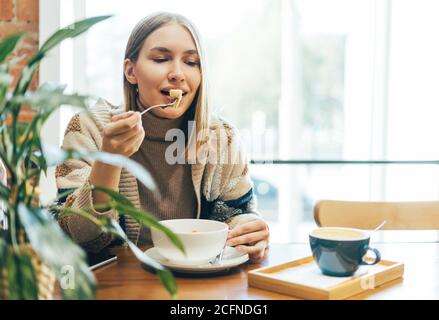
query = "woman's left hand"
{"x": 250, "y": 237}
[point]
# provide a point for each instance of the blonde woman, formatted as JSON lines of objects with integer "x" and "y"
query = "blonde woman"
{"x": 163, "y": 53}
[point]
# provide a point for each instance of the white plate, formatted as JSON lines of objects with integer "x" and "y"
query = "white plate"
{"x": 231, "y": 258}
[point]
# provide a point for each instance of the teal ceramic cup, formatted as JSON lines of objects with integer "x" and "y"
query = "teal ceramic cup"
{"x": 340, "y": 252}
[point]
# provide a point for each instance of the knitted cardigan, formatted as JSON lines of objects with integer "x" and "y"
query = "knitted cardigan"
{"x": 223, "y": 189}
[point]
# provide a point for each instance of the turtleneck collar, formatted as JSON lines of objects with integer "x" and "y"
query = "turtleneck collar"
{"x": 156, "y": 127}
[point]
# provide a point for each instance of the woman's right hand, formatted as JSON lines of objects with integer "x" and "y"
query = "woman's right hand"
{"x": 123, "y": 134}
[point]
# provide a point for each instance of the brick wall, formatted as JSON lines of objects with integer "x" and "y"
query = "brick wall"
{"x": 21, "y": 16}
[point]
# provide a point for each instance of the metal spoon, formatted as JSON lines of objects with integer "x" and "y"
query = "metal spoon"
{"x": 218, "y": 258}
{"x": 158, "y": 105}
{"x": 378, "y": 228}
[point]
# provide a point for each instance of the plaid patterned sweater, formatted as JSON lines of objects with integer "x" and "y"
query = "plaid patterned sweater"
{"x": 223, "y": 187}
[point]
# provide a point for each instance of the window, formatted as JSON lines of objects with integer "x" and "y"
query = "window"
{"x": 312, "y": 80}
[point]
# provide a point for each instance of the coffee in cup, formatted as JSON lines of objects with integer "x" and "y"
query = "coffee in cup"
{"x": 340, "y": 251}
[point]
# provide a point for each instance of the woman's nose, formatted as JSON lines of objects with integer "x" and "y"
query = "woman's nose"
{"x": 176, "y": 74}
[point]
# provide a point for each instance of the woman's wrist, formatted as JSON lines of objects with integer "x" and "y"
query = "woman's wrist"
{"x": 104, "y": 175}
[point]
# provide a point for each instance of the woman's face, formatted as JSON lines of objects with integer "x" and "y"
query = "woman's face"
{"x": 168, "y": 60}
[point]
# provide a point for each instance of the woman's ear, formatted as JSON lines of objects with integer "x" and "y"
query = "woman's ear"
{"x": 128, "y": 69}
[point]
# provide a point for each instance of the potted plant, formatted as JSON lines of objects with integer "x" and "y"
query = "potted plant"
{"x": 34, "y": 251}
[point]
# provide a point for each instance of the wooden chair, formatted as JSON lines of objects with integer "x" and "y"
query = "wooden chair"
{"x": 368, "y": 215}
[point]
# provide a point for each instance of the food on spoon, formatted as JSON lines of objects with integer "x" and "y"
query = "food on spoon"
{"x": 176, "y": 94}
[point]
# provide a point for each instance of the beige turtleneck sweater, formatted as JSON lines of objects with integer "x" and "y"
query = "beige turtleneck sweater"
{"x": 178, "y": 199}
{"x": 222, "y": 191}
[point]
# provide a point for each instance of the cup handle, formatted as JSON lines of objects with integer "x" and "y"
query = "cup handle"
{"x": 377, "y": 257}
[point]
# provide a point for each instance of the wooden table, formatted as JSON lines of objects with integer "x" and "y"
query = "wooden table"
{"x": 418, "y": 250}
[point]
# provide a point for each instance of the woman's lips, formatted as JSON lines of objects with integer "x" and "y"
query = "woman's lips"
{"x": 167, "y": 97}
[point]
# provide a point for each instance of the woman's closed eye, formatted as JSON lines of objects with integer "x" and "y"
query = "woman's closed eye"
{"x": 189, "y": 62}
{"x": 160, "y": 60}
{"x": 193, "y": 63}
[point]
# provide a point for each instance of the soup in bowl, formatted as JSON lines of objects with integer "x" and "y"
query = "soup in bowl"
{"x": 203, "y": 240}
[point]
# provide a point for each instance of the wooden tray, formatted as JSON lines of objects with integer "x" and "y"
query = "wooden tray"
{"x": 302, "y": 278}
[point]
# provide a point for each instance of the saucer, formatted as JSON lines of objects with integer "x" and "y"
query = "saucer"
{"x": 231, "y": 258}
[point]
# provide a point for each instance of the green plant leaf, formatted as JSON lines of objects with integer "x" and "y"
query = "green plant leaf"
{"x": 4, "y": 192}
{"x": 70, "y": 31}
{"x": 8, "y": 44}
{"x": 55, "y": 156}
{"x": 39, "y": 158}
{"x": 146, "y": 219}
{"x": 164, "y": 274}
{"x": 5, "y": 81}
{"x": 123, "y": 205}
{"x": 6, "y": 66}
{"x": 46, "y": 99}
{"x": 64, "y": 194}
{"x": 111, "y": 226}
{"x": 27, "y": 137}
{"x": 23, "y": 83}
{"x": 50, "y": 96}
{"x": 22, "y": 280}
{"x": 6, "y": 145}
{"x": 168, "y": 281}
{"x": 117, "y": 197}
{"x": 58, "y": 252}
{"x": 64, "y": 211}
{"x": 3, "y": 250}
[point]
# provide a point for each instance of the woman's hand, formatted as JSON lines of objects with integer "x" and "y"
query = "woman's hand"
{"x": 250, "y": 237}
{"x": 124, "y": 134}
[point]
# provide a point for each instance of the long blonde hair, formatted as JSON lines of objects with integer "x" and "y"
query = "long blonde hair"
{"x": 199, "y": 109}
